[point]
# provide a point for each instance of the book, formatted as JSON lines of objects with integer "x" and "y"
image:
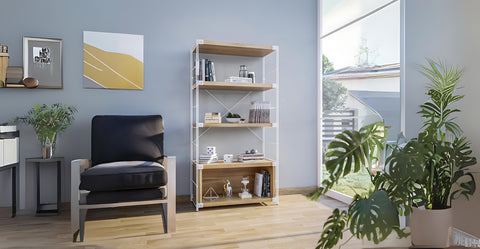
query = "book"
{"x": 207, "y": 70}
{"x": 259, "y": 112}
{"x": 206, "y": 158}
{"x": 266, "y": 184}
{"x": 235, "y": 79}
{"x": 257, "y": 190}
{"x": 212, "y": 71}
{"x": 213, "y": 117}
{"x": 202, "y": 69}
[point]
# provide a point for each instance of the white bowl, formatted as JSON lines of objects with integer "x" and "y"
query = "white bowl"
{"x": 233, "y": 120}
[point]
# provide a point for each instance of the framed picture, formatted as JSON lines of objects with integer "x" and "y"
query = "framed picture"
{"x": 112, "y": 60}
{"x": 42, "y": 60}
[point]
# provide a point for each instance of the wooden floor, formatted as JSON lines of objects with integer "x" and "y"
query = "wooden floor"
{"x": 295, "y": 223}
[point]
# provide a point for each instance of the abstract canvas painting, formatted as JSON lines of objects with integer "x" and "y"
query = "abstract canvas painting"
{"x": 112, "y": 60}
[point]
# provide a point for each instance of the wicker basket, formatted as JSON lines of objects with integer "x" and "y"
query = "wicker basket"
{"x": 3, "y": 66}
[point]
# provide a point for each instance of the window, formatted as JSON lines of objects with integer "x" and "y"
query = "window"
{"x": 360, "y": 49}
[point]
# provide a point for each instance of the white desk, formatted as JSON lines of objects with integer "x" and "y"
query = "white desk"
{"x": 9, "y": 157}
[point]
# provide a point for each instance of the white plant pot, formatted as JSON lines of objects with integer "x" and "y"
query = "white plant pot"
{"x": 233, "y": 120}
{"x": 429, "y": 228}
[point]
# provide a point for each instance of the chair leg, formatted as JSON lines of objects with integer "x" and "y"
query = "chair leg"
{"x": 74, "y": 221}
{"x": 83, "y": 216}
{"x": 164, "y": 217}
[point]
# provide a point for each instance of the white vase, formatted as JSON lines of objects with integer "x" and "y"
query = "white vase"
{"x": 429, "y": 228}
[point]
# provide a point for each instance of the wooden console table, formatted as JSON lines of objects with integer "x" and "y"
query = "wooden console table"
{"x": 42, "y": 207}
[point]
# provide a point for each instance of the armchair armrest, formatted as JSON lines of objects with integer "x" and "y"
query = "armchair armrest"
{"x": 171, "y": 166}
{"x": 77, "y": 167}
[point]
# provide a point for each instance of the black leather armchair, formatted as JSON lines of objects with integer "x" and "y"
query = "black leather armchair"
{"x": 128, "y": 168}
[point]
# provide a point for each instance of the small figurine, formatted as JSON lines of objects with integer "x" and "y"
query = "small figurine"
{"x": 245, "y": 194}
{"x": 210, "y": 194}
{"x": 228, "y": 189}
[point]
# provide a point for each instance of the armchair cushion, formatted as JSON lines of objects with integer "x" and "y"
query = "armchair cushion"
{"x": 127, "y": 138}
{"x": 123, "y": 175}
{"x": 103, "y": 197}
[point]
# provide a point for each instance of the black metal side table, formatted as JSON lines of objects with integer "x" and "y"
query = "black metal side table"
{"x": 13, "y": 167}
{"x": 42, "y": 207}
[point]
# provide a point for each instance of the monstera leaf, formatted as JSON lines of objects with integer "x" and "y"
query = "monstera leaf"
{"x": 333, "y": 229}
{"x": 352, "y": 150}
{"x": 374, "y": 217}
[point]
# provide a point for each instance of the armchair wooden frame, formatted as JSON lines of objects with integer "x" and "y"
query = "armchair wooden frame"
{"x": 79, "y": 207}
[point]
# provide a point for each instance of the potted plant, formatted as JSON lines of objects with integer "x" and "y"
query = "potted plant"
{"x": 233, "y": 118}
{"x": 425, "y": 172}
{"x": 48, "y": 122}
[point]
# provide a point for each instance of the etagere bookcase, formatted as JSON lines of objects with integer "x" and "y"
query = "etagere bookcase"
{"x": 233, "y": 138}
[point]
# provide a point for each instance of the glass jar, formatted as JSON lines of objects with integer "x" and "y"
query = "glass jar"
{"x": 243, "y": 71}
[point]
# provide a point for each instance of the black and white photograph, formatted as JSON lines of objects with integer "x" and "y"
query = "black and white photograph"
{"x": 42, "y": 60}
{"x": 41, "y": 55}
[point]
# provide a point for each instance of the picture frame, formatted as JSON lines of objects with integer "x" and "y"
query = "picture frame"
{"x": 42, "y": 60}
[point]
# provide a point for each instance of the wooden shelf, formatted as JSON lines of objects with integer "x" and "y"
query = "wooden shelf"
{"x": 238, "y": 49}
{"x": 250, "y": 164}
{"x": 234, "y": 200}
{"x": 15, "y": 86}
{"x": 217, "y": 85}
{"x": 233, "y": 125}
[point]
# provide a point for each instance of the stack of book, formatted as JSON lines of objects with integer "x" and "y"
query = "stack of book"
{"x": 206, "y": 70}
{"x": 206, "y": 158}
{"x": 235, "y": 79}
{"x": 213, "y": 118}
{"x": 259, "y": 112}
{"x": 14, "y": 75}
{"x": 262, "y": 184}
{"x": 250, "y": 157}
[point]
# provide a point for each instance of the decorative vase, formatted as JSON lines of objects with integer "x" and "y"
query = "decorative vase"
{"x": 48, "y": 147}
{"x": 429, "y": 228}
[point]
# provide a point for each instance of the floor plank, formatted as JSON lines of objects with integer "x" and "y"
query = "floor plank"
{"x": 295, "y": 223}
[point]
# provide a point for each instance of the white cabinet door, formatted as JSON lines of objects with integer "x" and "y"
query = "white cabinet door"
{"x": 10, "y": 151}
{"x": 1, "y": 153}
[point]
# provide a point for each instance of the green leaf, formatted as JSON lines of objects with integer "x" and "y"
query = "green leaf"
{"x": 332, "y": 229}
{"x": 373, "y": 218}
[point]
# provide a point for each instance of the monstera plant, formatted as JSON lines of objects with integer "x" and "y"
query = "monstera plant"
{"x": 427, "y": 171}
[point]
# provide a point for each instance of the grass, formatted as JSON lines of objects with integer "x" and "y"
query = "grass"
{"x": 353, "y": 183}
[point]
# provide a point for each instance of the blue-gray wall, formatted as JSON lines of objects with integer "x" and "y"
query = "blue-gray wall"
{"x": 170, "y": 29}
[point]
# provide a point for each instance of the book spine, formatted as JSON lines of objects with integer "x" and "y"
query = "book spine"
{"x": 212, "y": 67}
{"x": 207, "y": 69}
{"x": 202, "y": 69}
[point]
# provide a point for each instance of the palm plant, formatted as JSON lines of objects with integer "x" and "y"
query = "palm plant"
{"x": 428, "y": 171}
{"x": 48, "y": 121}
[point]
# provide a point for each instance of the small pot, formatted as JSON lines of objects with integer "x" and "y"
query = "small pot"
{"x": 429, "y": 228}
{"x": 233, "y": 120}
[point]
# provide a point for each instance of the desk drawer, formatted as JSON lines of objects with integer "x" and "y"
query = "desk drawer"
{"x": 9, "y": 151}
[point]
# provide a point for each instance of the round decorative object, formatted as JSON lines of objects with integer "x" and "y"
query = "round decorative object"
{"x": 30, "y": 82}
{"x": 247, "y": 152}
{"x": 253, "y": 151}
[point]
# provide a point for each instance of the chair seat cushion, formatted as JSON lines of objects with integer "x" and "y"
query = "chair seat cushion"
{"x": 104, "y": 197}
{"x": 123, "y": 175}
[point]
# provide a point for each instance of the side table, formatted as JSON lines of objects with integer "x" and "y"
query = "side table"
{"x": 42, "y": 207}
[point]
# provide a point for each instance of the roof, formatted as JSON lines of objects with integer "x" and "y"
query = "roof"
{"x": 350, "y": 73}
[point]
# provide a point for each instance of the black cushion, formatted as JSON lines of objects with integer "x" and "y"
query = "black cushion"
{"x": 123, "y": 175}
{"x": 104, "y": 197}
{"x": 127, "y": 138}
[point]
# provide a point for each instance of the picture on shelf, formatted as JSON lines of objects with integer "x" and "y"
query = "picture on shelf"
{"x": 42, "y": 60}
